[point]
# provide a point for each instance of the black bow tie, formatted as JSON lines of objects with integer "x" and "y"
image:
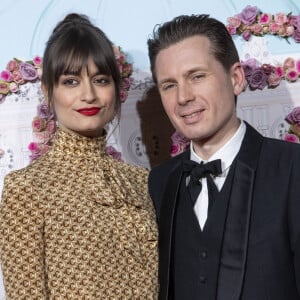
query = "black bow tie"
{"x": 198, "y": 171}
{"x": 203, "y": 170}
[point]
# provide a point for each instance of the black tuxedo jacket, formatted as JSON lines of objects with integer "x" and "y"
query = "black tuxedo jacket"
{"x": 262, "y": 233}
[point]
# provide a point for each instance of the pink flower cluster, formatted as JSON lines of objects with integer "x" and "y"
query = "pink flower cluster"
{"x": 293, "y": 118}
{"x": 258, "y": 76}
{"x": 179, "y": 143}
{"x": 251, "y": 21}
{"x": 18, "y": 72}
{"x": 126, "y": 70}
{"x": 43, "y": 127}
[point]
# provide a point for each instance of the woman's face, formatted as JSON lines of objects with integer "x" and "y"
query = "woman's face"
{"x": 84, "y": 103}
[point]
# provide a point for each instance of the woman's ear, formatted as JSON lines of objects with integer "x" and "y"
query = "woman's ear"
{"x": 237, "y": 78}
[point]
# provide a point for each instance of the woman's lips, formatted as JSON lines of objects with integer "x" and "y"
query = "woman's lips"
{"x": 89, "y": 111}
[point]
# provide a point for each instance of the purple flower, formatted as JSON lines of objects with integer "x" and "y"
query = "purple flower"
{"x": 294, "y": 116}
{"x": 249, "y": 65}
{"x": 258, "y": 79}
{"x": 110, "y": 150}
{"x": 296, "y": 35}
{"x": 43, "y": 111}
{"x": 246, "y": 35}
{"x": 248, "y": 14}
{"x": 28, "y": 71}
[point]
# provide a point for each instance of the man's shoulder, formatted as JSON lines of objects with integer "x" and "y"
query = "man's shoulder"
{"x": 170, "y": 164}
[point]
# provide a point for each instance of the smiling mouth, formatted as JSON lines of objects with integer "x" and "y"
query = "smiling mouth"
{"x": 89, "y": 111}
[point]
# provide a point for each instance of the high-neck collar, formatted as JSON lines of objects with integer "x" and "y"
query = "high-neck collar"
{"x": 73, "y": 144}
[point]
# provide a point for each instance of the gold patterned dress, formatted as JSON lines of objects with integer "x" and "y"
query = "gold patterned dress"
{"x": 77, "y": 224}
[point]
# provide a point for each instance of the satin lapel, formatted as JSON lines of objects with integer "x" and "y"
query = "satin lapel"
{"x": 166, "y": 225}
{"x": 235, "y": 240}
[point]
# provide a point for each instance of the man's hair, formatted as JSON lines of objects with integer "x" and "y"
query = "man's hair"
{"x": 182, "y": 27}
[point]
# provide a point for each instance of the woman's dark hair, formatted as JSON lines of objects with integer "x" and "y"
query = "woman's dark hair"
{"x": 182, "y": 27}
{"x": 72, "y": 43}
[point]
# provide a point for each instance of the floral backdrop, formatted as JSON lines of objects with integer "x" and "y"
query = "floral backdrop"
{"x": 267, "y": 37}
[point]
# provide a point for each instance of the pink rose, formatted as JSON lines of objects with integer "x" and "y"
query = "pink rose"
{"x": 231, "y": 29}
{"x": 279, "y": 71}
{"x": 289, "y": 30}
{"x": 290, "y": 137}
{"x": 234, "y": 21}
{"x": 123, "y": 95}
{"x": 274, "y": 28}
{"x": 265, "y": 19}
{"x": 257, "y": 29}
{"x": 291, "y": 75}
{"x": 12, "y": 65}
{"x": 38, "y": 124}
{"x": 274, "y": 79}
{"x": 294, "y": 116}
{"x": 17, "y": 77}
{"x": 248, "y": 14}
{"x": 297, "y": 66}
{"x": 51, "y": 127}
{"x": 289, "y": 63}
{"x": 6, "y": 76}
{"x": 175, "y": 150}
{"x": 13, "y": 87}
{"x": 37, "y": 61}
{"x": 4, "y": 87}
{"x": 33, "y": 146}
{"x": 280, "y": 18}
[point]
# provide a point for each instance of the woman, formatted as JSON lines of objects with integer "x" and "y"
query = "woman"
{"x": 77, "y": 224}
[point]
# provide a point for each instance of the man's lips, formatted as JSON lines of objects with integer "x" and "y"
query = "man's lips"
{"x": 88, "y": 111}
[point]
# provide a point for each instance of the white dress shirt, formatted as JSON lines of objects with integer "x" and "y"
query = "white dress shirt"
{"x": 227, "y": 154}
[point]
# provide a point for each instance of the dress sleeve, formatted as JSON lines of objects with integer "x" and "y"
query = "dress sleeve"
{"x": 21, "y": 240}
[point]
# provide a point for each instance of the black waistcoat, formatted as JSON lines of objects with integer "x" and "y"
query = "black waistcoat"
{"x": 196, "y": 253}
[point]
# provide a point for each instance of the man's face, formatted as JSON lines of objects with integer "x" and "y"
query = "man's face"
{"x": 197, "y": 93}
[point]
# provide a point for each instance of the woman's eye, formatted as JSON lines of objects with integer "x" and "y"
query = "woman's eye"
{"x": 70, "y": 81}
{"x": 101, "y": 80}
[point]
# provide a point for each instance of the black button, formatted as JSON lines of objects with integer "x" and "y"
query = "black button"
{"x": 202, "y": 279}
{"x": 203, "y": 254}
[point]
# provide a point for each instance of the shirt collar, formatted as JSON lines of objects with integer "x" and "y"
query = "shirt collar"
{"x": 227, "y": 152}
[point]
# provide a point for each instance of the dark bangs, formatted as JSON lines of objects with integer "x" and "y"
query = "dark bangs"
{"x": 71, "y": 53}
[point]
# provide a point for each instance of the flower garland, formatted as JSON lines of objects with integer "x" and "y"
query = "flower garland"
{"x": 19, "y": 72}
{"x": 259, "y": 76}
{"x": 251, "y": 21}
{"x": 293, "y": 118}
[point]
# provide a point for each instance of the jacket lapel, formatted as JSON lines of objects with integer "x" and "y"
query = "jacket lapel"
{"x": 235, "y": 240}
{"x": 166, "y": 224}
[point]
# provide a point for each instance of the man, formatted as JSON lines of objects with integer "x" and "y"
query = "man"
{"x": 246, "y": 243}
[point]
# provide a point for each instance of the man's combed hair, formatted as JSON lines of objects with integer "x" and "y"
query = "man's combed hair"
{"x": 182, "y": 27}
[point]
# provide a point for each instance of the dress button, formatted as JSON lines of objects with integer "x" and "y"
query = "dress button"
{"x": 202, "y": 279}
{"x": 203, "y": 254}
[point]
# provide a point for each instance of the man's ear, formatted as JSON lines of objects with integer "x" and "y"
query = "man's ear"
{"x": 237, "y": 78}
